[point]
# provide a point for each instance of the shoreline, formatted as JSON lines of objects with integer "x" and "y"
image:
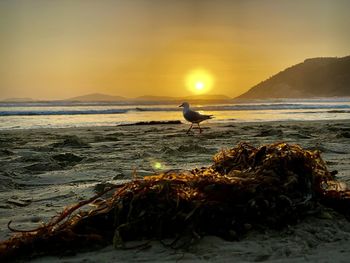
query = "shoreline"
{"x": 49, "y": 168}
{"x": 178, "y": 122}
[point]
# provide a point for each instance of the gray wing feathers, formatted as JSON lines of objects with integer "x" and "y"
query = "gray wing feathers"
{"x": 196, "y": 117}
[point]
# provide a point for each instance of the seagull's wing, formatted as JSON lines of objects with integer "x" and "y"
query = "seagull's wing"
{"x": 208, "y": 116}
{"x": 195, "y": 117}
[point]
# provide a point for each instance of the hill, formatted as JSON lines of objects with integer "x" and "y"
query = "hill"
{"x": 97, "y": 97}
{"x": 315, "y": 77}
{"x": 147, "y": 99}
{"x": 208, "y": 97}
{"x": 205, "y": 97}
{"x": 18, "y": 100}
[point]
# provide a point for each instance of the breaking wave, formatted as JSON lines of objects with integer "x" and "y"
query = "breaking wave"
{"x": 60, "y": 112}
{"x": 118, "y": 109}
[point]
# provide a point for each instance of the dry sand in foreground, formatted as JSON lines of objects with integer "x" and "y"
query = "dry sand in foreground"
{"x": 44, "y": 170}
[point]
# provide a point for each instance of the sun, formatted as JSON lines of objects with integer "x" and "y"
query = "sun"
{"x": 199, "y": 81}
{"x": 199, "y": 85}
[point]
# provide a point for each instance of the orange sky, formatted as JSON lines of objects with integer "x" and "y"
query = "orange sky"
{"x": 61, "y": 49}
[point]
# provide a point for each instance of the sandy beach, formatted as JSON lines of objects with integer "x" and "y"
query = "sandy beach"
{"x": 44, "y": 170}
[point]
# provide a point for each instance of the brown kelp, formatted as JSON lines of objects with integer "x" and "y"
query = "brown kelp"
{"x": 246, "y": 187}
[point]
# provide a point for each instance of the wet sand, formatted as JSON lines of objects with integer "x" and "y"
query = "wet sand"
{"x": 43, "y": 170}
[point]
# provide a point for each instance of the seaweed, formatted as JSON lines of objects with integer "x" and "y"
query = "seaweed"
{"x": 246, "y": 188}
{"x": 151, "y": 123}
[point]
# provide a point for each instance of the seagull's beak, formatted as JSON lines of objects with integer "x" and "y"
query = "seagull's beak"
{"x": 181, "y": 105}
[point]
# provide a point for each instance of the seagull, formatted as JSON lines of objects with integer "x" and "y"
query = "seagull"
{"x": 193, "y": 116}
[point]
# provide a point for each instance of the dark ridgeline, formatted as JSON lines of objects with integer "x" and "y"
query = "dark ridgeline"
{"x": 315, "y": 77}
{"x": 151, "y": 99}
{"x": 96, "y": 97}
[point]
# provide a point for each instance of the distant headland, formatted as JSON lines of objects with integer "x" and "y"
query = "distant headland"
{"x": 313, "y": 78}
{"x": 99, "y": 97}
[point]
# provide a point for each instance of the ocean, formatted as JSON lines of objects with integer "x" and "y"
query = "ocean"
{"x": 58, "y": 114}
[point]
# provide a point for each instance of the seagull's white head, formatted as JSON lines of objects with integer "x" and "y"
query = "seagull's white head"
{"x": 185, "y": 105}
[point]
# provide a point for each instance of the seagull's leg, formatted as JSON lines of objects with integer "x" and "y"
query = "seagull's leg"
{"x": 189, "y": 128}
{"x": 200, "y": 130}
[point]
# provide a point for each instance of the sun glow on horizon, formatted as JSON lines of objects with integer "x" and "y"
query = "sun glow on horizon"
{"x": 199, "y": 81}
{"x": 199, "y": 85}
